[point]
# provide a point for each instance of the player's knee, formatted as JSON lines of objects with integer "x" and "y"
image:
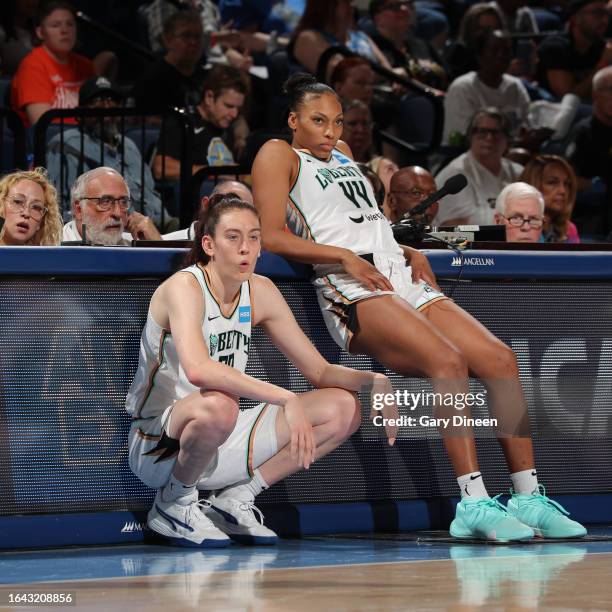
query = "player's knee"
{"x": 498, "y": 363}
{"x": 216, "y": 415}
{"x": 506, "y": 361}
{"x": 451, "y": 364}
{"x": 347, "y": 415}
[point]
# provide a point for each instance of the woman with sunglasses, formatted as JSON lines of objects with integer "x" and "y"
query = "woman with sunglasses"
{"x": 28, "y": 205}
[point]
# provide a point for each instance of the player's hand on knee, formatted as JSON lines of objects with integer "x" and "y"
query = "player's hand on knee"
{"x": 421, "y": 270}
{"x": 383, "y": 402}
{"x": 302, "y": 438}
{"x": 367, "y": 274}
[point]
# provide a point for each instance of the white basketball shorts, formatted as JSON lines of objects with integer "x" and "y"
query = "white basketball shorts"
{"x": 338, "y": 294}
{"x": 152, "y": 454}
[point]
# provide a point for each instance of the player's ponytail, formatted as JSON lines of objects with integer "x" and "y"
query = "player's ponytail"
{"x": 300, "y": 85}
{"x": 207, "y": 221}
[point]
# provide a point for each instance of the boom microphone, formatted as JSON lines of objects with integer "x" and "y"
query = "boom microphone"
{"x": 453, "y": 185}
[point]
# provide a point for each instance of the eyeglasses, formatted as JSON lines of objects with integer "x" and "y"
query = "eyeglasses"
{"x": 18, "y": 204}
{"x": 519, "y": 221}
{"x": 106, "y": 202}
{"x": 484, "y": 132}
{"x": 415, "y": 193}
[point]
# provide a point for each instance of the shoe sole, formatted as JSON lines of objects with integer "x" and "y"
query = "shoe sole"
{"x": 180, "y": 541}
{"x": 540, "y": 534}
{"x": 475, "y": 537}
{"x": 246, "y": 539}
{"x": 472, "y": 536}
{"x": 189, "y": 544}
{"x": 250, "y": 540}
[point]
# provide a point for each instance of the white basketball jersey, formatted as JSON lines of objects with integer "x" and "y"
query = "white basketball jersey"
{"x": 160, "y": 379}
{"x": 332, "y": 203}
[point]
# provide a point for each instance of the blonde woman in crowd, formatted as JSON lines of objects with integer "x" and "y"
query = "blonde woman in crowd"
{"x": 28, "y": 205}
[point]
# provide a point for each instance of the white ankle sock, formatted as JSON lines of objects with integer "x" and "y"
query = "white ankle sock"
{"x": 525, "y": 482}
{"x": 247, "y": 490}
{"x": 178, "y": 491}
{"x": 472, "y": 486}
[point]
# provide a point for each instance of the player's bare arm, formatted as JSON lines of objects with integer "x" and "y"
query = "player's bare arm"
{"x": 180, "y": 306}
{"x": 274, "y": 170}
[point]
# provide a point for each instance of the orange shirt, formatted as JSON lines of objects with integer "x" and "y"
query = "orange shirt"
{"x": 40, "y": 78}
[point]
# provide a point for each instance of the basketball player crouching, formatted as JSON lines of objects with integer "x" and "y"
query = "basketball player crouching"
{"x": 187, "y": 432}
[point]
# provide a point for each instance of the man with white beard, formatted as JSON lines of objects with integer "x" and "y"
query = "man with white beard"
{"x": 101, "y": 202}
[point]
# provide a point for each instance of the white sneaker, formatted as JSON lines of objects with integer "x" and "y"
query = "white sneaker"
{"x": 234, "y": 512}
{"x": 185, "y": 524}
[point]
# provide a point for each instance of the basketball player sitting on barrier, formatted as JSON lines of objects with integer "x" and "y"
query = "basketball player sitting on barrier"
{"x": 374, "y": 303}
{"x": 101, "y": 202}
{"x": 188, "y": 432}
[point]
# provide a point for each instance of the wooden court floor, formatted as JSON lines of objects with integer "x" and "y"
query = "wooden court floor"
{"x": 295, "y": 577}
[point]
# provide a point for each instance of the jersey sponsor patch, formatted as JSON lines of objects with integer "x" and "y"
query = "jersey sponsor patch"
{"x": 355, "y": 217}
{"x": 343, "y": 159}
{"x": 244, "y": 314}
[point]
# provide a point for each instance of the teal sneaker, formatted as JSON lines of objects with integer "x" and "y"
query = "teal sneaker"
{"x": 546, "y": 517}
{"x": 486, "y": 519}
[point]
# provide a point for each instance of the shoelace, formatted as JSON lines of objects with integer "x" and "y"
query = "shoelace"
{"x": 539, "y": 496}
{"x": 492, "y": 503}
{"x": 247, "y": 506}
{"x": 202, "y": 505}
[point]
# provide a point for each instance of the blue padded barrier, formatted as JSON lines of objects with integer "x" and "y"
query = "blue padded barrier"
{"x": 70, "y": 321}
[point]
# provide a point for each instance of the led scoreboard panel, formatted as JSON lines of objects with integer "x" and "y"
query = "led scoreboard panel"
{"x": 70, "y": 324}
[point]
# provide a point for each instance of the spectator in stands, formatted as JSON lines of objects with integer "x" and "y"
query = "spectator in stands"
{"x": 101, "y": 203}
{"x": 489, "y": 86}
{"x": 28, "y": 204}
{"x": 158, "y": 12}
{"x": 384, "y": 168}
{"x": 409, "y": 187}
{"x": 485, "y": 168}
{"x": 567, "y": 63}
{"x": 225, "y": 93}
{"x": 357, "y": 131}
{"x": 17, "y": 36}
{"x": 326, "y": 24}
{"x": 393, "y": 21}
{"x": 516, "y": 17}
{"x": 520, "y": 207}
{"x": 50, "y": 75}
{"x": 65, "y": 161}
{"x": 222, "y": 188}
{"x": 460, "y": 55}
{"x": 392, "y": 108}
{"x": 354, "y": 79}
{"x": 222, "y": 44}
{"x": 176, "y": 79}
{"x": 553, "y": 176}
{"x": 590, "y": 152}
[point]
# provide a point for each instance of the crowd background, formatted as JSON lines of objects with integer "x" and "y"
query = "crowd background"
{"x": 173, "y": 97}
